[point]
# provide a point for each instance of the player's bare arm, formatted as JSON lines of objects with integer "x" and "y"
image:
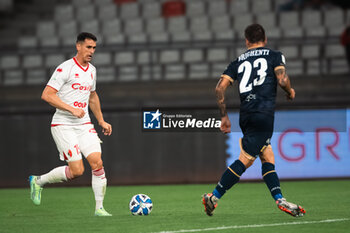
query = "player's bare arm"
{"x": 50, "y": 95}
{"x": 220, "y": 99}
{"x": 95, "y": 106}
{"x": 284, "y": 82}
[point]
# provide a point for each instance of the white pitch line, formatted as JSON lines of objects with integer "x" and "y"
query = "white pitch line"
{"x": 257, "y": 225}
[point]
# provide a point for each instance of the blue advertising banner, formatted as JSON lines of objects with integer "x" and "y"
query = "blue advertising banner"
{"x": 306, "y": 144}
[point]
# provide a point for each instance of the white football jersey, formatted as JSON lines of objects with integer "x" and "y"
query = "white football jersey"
{"x": 73, "y": 84}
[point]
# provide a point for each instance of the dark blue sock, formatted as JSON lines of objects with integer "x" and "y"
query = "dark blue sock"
{"x": 271, "y": 179}
{"x": 229, "y": 178}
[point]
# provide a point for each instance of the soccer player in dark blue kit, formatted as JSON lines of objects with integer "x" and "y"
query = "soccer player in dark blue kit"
{"x": 258, "y": 71}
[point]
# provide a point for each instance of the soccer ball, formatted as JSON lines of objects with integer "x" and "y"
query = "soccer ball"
{"x": 140, "y": 204}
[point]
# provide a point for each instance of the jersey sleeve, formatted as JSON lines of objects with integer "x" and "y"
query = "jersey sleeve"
{"x": 58, "y": 78}
{"x": 280, "y": 60}
{"x": 230, "y": 71}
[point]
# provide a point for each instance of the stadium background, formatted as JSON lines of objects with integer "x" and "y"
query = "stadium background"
{"x": 163, "y": 54}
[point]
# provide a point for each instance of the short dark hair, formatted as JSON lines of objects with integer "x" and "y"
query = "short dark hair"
{"x": 86, "y": 35}
{"x": 255, "y": 33}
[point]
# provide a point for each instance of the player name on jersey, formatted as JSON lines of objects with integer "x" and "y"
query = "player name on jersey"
{"x": 257, "y": 52}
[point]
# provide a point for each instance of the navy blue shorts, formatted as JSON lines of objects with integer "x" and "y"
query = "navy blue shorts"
{"x": 257, "y": 129}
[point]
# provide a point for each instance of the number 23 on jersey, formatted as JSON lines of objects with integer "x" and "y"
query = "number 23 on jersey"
{"x": 247, "y": 67}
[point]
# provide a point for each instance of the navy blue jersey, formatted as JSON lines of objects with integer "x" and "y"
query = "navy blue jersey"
{"x": 257, "y": 83}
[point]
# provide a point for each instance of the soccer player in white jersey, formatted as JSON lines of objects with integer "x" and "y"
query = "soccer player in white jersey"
{"x": 71, "y": 90}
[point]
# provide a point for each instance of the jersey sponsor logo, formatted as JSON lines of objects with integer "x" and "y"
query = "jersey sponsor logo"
{"x": 79, "y": 104}
{"x": 250, "y": 97}
{"x": 59, "y": 70}
{"x": 78, "y": 86}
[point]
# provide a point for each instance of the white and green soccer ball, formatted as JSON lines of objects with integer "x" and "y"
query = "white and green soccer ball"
{"x": 140, "y": 204}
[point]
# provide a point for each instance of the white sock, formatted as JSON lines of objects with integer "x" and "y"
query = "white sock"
{"x": 99, "y": 184}
{"x": 56, "y": 175}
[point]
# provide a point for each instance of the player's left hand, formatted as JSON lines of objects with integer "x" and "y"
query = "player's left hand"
{"x": 106, "y": 128}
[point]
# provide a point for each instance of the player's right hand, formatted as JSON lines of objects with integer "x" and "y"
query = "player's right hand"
{"x": 78, "y": 112}
{"x": 291, "y": 95}
{"x": 225, "y": 125}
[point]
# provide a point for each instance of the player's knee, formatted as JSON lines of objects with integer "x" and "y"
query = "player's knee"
{"x": 248, "y": 163}
{"x": 100, "y": 164}
{"x": 97, "y": 165}
{"x": 77, "y": 172}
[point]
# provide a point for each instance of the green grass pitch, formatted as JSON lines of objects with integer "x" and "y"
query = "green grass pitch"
{"x": 247, "y": 207}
